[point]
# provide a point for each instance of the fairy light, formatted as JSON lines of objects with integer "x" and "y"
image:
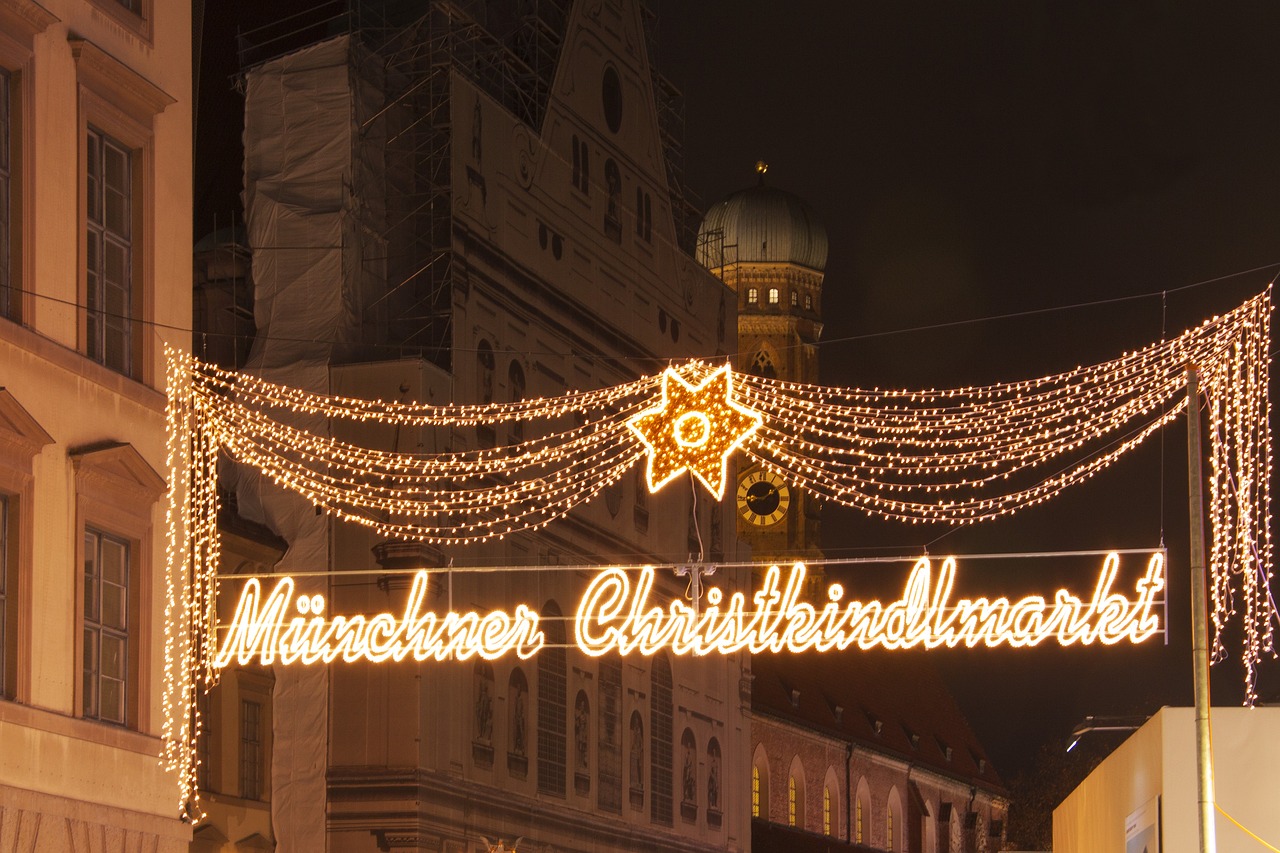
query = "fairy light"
{"x": 954, "y": 456}
{"x": 616, "y": 615}
{"x": 693, "y": 428}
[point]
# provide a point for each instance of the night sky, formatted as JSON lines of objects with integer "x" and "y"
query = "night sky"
{"x": 977, "y": 160}
{"x": 972, "y": 161}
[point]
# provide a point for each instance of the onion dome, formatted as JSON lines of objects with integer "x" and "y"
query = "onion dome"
{"x": 767, "y": 225}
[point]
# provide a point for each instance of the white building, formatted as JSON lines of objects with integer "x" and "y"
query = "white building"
{"x": 1143, "y": 796}
{"x": 95, "y": 277}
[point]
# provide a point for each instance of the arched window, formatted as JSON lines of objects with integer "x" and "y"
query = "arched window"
{"x": 753, "y": 295}
{"x": 861, "y": 811}
{"x": 795, "y": 299}
{"x": 609, "y": 748}
{"x": 552, "y": 699}
{"x": 808, "y": 302}
{"x": 762, "y": 365}
{"x": 515, "y": 378}
{"x": 795, "y": 794}
{"x": 760, "y": 783}
{"x": 517, "y": 702}
{"x": 893, "y": 820}
{"x": 660, "y": 739}
{"x": 830, "y": 803}
{"x": 773, "y": 296}
{"x": 755, "y": 791}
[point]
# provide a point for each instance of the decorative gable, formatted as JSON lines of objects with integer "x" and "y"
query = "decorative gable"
{"x": 117, "y": 469}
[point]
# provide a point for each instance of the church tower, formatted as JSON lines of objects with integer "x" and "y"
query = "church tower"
{"x": 771, "y": 249}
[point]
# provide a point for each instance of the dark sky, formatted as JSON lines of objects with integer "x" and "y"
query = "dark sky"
{"x": 979, "y": 159}
{"x": 972, "y": 160}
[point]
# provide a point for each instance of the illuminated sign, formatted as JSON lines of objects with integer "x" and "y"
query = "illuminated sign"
{"x": 617, "y": 614}
{"x": 263, "y": 631}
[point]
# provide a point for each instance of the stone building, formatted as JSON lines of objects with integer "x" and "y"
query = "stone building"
{"x": 472, "y": 203}
{"x": 851, "y": 750}
{"x": 95, "y": 277}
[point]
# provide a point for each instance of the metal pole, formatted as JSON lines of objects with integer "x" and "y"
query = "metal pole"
{"x": 1199, "y": 619}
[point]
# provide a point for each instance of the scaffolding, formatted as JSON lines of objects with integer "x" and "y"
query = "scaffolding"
{"x": 402, "y": 61}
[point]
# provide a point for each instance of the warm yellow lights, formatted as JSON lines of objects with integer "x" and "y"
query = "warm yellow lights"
{"x": 617, "y": 615}
{"x": 954, "y": 456}
{"x": 266, "y": 631}
{"x": 694, "y": 428}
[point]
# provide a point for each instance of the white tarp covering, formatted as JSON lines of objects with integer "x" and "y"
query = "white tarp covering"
{"x": 298, "y": 143}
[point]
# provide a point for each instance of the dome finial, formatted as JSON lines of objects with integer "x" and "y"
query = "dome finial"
{"x": 761, "y": 168}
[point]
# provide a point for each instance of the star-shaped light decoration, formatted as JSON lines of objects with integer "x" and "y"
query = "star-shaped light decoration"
{"x": 694, "y": 428}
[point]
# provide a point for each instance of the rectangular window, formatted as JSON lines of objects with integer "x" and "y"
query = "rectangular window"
{"x": 134, "y": 6}
{"x": 9, "y": 300}
{"x": 7, "y": 625}
{"x": 106, "y": 627}
{"x": 109, "y": 251}
{"x": 610, "y": 747}
{"x": 251, "y": 751}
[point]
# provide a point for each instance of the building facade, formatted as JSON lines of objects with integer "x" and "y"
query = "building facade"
{"x": 95, "y": 273}
{"x": 849, "y": 750}
{"x": 483, "y": 204}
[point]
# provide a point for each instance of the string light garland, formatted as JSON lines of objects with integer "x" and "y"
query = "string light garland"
{"x": 955, "y": 456}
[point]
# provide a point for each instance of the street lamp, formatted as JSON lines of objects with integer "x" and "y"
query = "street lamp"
{"x": 1093, "y": 723}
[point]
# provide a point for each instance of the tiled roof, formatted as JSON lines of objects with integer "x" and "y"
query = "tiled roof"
{"x": 892, "y": 702}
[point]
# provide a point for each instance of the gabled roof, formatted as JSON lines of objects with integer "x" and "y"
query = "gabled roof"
{"x": 890, "y": 702}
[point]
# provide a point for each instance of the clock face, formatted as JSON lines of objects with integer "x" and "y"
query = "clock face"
{"x": 763, "y": 497}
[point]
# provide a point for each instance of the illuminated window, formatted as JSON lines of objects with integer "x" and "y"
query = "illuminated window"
{"x": 552, "y": 702}
{"x": 808, "y": 302}
{"x": 791, "y": 800}
{"x": 755, "y": 791}
{"x": 888, "y": 827}
{"x": 795, "y": 299}
{"x": 105, "y": 627}
{"x": 753, "y": 295}
{"x": 826, "y": 811}
{"x": 109, "y": 252}
{"x": 660, "y": 740}
{"x": 857, "y": 815}
{"x": 251, "y": 752}
{"x": 773, "y": 296}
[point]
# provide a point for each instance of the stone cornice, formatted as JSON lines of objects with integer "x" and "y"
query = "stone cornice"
{"x": 120, "y": 84}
